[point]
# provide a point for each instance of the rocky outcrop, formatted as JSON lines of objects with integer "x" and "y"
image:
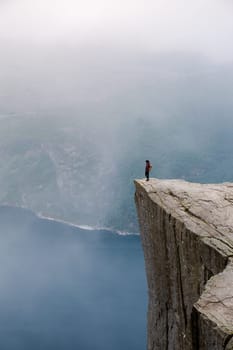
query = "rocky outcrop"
{"x": 187, "y": 236}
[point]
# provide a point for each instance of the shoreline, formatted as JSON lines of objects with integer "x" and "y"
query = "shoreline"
{"x": 87, "y": 227}
{"x": 81, "y": 226}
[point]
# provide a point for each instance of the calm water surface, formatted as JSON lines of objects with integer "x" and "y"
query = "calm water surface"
{"x": 63, "y": 288}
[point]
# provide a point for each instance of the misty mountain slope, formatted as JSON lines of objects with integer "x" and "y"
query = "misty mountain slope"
{"x": 58, "y": 169}
{"x": 72, "y": 143}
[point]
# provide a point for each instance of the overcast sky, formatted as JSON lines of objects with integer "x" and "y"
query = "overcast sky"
{"x": 200, "y": 26}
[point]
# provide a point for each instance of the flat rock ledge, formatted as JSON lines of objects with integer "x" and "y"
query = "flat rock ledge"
{"x": 187, "y": 237}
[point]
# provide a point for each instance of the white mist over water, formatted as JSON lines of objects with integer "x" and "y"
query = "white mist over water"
{"x": 94, "y": 89}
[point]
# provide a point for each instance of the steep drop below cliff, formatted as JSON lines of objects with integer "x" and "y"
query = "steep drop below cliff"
{"x": 187, "y": 237}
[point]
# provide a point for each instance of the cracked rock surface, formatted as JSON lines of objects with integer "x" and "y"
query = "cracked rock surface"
{"x": 187, "y": 236}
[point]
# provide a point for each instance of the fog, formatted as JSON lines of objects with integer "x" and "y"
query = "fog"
{"x": 198, "y": 26}
{"x": 70, "y": 52}
{"x": 67, "y": 53}
{"x": 92, "y": 90}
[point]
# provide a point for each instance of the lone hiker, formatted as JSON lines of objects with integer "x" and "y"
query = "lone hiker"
{"x": 147, "y": 169}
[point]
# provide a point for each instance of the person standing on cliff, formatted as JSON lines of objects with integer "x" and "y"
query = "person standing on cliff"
{"x": 148, "y": 169}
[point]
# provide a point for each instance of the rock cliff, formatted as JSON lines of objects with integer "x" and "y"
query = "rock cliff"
{"x": 187, "y": 236}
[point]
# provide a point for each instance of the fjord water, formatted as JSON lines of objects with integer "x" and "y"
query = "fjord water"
{"x": 67, "y": 288}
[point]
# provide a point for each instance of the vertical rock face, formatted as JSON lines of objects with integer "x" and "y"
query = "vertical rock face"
{"x": 187, "y": 237}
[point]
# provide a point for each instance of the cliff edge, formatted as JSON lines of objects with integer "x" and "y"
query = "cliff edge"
{"x": 187, "y": 237}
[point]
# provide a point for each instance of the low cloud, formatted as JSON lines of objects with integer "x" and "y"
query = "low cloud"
{"x": 201, "y": 26}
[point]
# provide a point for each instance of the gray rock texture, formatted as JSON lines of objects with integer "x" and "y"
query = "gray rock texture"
{"x": 187, "y": 236}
